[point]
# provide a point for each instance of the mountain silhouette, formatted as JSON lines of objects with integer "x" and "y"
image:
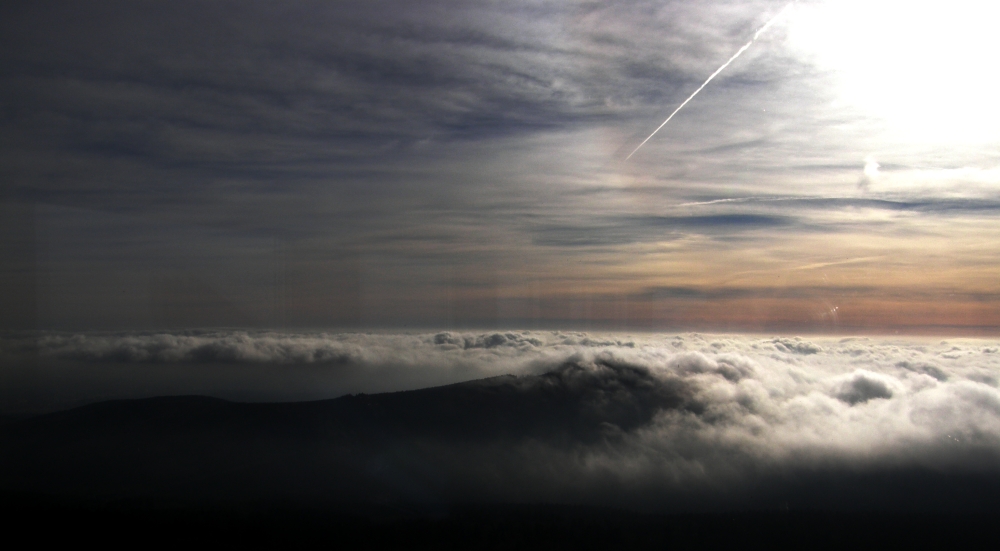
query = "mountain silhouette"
{"x": 560, "y": 437}
{"x": 357, "y": 447}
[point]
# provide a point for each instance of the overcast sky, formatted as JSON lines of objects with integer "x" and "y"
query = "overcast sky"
{"x": 458, "y": 163}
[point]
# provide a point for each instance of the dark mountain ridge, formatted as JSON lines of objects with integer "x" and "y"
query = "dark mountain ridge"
{"x": 550, "y": 438}
{"x": 351, "y": 447}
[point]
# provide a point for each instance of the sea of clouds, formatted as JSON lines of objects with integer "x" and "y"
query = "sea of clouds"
{"x": 891, "y": 361}
{"x": 774, "y": 395}
{"x": 851, "y": 371}
{"x": 687, "y": 414}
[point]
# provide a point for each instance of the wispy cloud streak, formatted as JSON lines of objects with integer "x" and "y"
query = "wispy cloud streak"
{"x": 739, "y": 52}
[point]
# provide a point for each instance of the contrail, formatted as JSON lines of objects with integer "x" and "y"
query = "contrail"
{"x": 756, "y": 35}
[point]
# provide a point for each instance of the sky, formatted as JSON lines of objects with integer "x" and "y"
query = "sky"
{"x": 447, "y": 164}
{"x": 276, "y": 201}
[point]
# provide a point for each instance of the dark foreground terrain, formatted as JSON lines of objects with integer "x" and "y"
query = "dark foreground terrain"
{"x": 460, "y": 464}
{"x": 46, "y": 519}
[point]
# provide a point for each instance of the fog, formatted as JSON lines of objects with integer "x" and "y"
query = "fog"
{"x": 643, "y": 420}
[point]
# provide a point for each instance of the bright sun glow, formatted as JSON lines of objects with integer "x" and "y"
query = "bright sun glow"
{"x": 927, "y": 67}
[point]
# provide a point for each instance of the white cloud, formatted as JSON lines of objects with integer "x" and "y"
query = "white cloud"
{"x": 830, "y": 392}
{"x": 639, "y": 420}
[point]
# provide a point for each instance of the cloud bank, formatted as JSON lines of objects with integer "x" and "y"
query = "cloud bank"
{"x": 645, "y": 421}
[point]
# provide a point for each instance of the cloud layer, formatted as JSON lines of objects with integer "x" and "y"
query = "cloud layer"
{"x": 633, "y": 418}
{"x": 307, "y": 164}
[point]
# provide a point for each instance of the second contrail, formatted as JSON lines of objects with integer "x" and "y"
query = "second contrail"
{"x": 756, "y": 35}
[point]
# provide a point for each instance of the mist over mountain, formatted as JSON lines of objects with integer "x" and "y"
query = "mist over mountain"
{"x": 649, "y": 423}
{"x": 358, "y": 262}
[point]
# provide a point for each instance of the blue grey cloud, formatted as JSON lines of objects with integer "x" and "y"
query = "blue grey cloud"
{"x": 623, "y": 230}
{"x": 326, "y": 148}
